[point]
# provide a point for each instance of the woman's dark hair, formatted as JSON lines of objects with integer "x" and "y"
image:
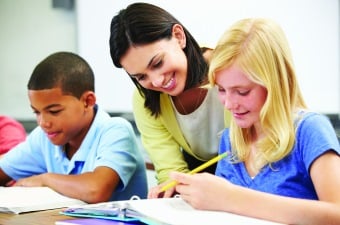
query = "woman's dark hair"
{"x": 143, "y": 23}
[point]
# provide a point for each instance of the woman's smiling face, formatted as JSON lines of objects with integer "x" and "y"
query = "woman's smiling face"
{"x": 159, "y": 66}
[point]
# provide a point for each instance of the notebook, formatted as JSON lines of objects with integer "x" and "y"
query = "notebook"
{"x": 174, "y": 211}
{"x": 28, "y": 199}
{"x": 91, "y": 221}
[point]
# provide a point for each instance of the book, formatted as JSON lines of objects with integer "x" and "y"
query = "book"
{"x": 174, "y": 211}
{"x": 18, "y": 200}
{"x": 92, "y": 221}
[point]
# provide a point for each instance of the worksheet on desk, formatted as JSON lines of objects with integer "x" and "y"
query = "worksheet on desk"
{"x": 176, "y": 211}
{"x": 26, "y": 199}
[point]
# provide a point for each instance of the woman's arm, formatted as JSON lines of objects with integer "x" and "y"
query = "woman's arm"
{"x": 160, "y": 144}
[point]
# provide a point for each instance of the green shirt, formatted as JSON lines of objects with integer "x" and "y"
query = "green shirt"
{"x": 162, "y": 137}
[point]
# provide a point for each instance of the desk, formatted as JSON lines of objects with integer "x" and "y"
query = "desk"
{"x": 47, "y": 217}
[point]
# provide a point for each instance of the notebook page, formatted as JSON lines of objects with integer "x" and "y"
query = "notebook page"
{"x": 25, "y": 199}
{"x": 176, "y": 211}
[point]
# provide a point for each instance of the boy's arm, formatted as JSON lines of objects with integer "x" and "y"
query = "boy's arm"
{"x": 91, "y": 187}
{"x": 4, "y": 178}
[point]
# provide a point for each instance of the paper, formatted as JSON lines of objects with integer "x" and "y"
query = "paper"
{"x": 27, "y": 199}
{"x": 175, "y": 211}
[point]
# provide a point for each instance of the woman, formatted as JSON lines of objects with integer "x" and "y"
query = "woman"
{"x": 283, "y": 160}
{"x": 178, "y": 116}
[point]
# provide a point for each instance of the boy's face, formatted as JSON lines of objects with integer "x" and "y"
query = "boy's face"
{"x": 64, "y": 118}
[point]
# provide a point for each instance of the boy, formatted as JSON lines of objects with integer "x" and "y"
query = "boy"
{"x": 78, "y": 150}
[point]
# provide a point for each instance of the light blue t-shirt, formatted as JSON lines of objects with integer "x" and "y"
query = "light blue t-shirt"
{"x": 289, "y": 176}
{"x": 110, "y": 142}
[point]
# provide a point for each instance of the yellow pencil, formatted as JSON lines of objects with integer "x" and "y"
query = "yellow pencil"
{"x": 196, "y": 170}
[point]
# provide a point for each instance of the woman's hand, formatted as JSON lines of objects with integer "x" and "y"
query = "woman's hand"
{"x": 156, "y": 192}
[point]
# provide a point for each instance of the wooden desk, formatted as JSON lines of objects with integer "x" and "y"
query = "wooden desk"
{"x": 47, "y": 217}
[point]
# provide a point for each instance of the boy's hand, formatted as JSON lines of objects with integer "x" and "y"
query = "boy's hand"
{"x": 33, "y": 181}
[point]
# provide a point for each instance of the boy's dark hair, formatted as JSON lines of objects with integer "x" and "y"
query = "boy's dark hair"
{"x": 143, "y": 23}
{"x": 65, "y": 70}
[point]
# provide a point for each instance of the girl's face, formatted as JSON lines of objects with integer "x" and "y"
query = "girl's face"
{"x": 241, "y": 96}
{"x": 159, "y": 66}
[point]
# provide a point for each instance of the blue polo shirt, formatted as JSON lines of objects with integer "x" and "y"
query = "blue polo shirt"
{"x": 290, "y": 175}
{"x": 110, "y": 142}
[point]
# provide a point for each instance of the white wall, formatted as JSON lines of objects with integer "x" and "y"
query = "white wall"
{"x": 31, "y": 30}
{"x": 312, "y": 27}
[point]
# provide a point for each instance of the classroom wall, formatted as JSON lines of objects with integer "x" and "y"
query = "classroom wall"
{"x": 312, "y": 28}
{"x": 30, "y": 30}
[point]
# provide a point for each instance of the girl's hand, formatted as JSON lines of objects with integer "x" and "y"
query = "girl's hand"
{"x": 203, "y": 190}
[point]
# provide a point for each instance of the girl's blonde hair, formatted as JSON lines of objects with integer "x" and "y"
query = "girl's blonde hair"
{"x": 260, "y": 49}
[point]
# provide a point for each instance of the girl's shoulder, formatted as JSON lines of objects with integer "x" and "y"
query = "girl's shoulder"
{"x": 310, "y": 118}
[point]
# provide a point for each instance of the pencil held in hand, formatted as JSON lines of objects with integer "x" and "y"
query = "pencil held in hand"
{"x": 196, "y": 170}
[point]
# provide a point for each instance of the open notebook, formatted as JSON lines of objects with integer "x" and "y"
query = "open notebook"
{"x": 27, "y": 199}
{"x": 174, "y": 211}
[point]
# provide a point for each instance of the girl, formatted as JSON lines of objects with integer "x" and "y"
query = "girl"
{"x": 283, "y": 162}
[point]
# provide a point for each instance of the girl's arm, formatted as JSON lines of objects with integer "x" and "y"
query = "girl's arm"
{"x": 205, "y": 191}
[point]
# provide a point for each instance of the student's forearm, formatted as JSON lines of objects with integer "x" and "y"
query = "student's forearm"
{"x": 86, "y": 187}
{"x": 4, "y": 179}
{"x": 71, "y": 185}
{"x": 281, "y": 209}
